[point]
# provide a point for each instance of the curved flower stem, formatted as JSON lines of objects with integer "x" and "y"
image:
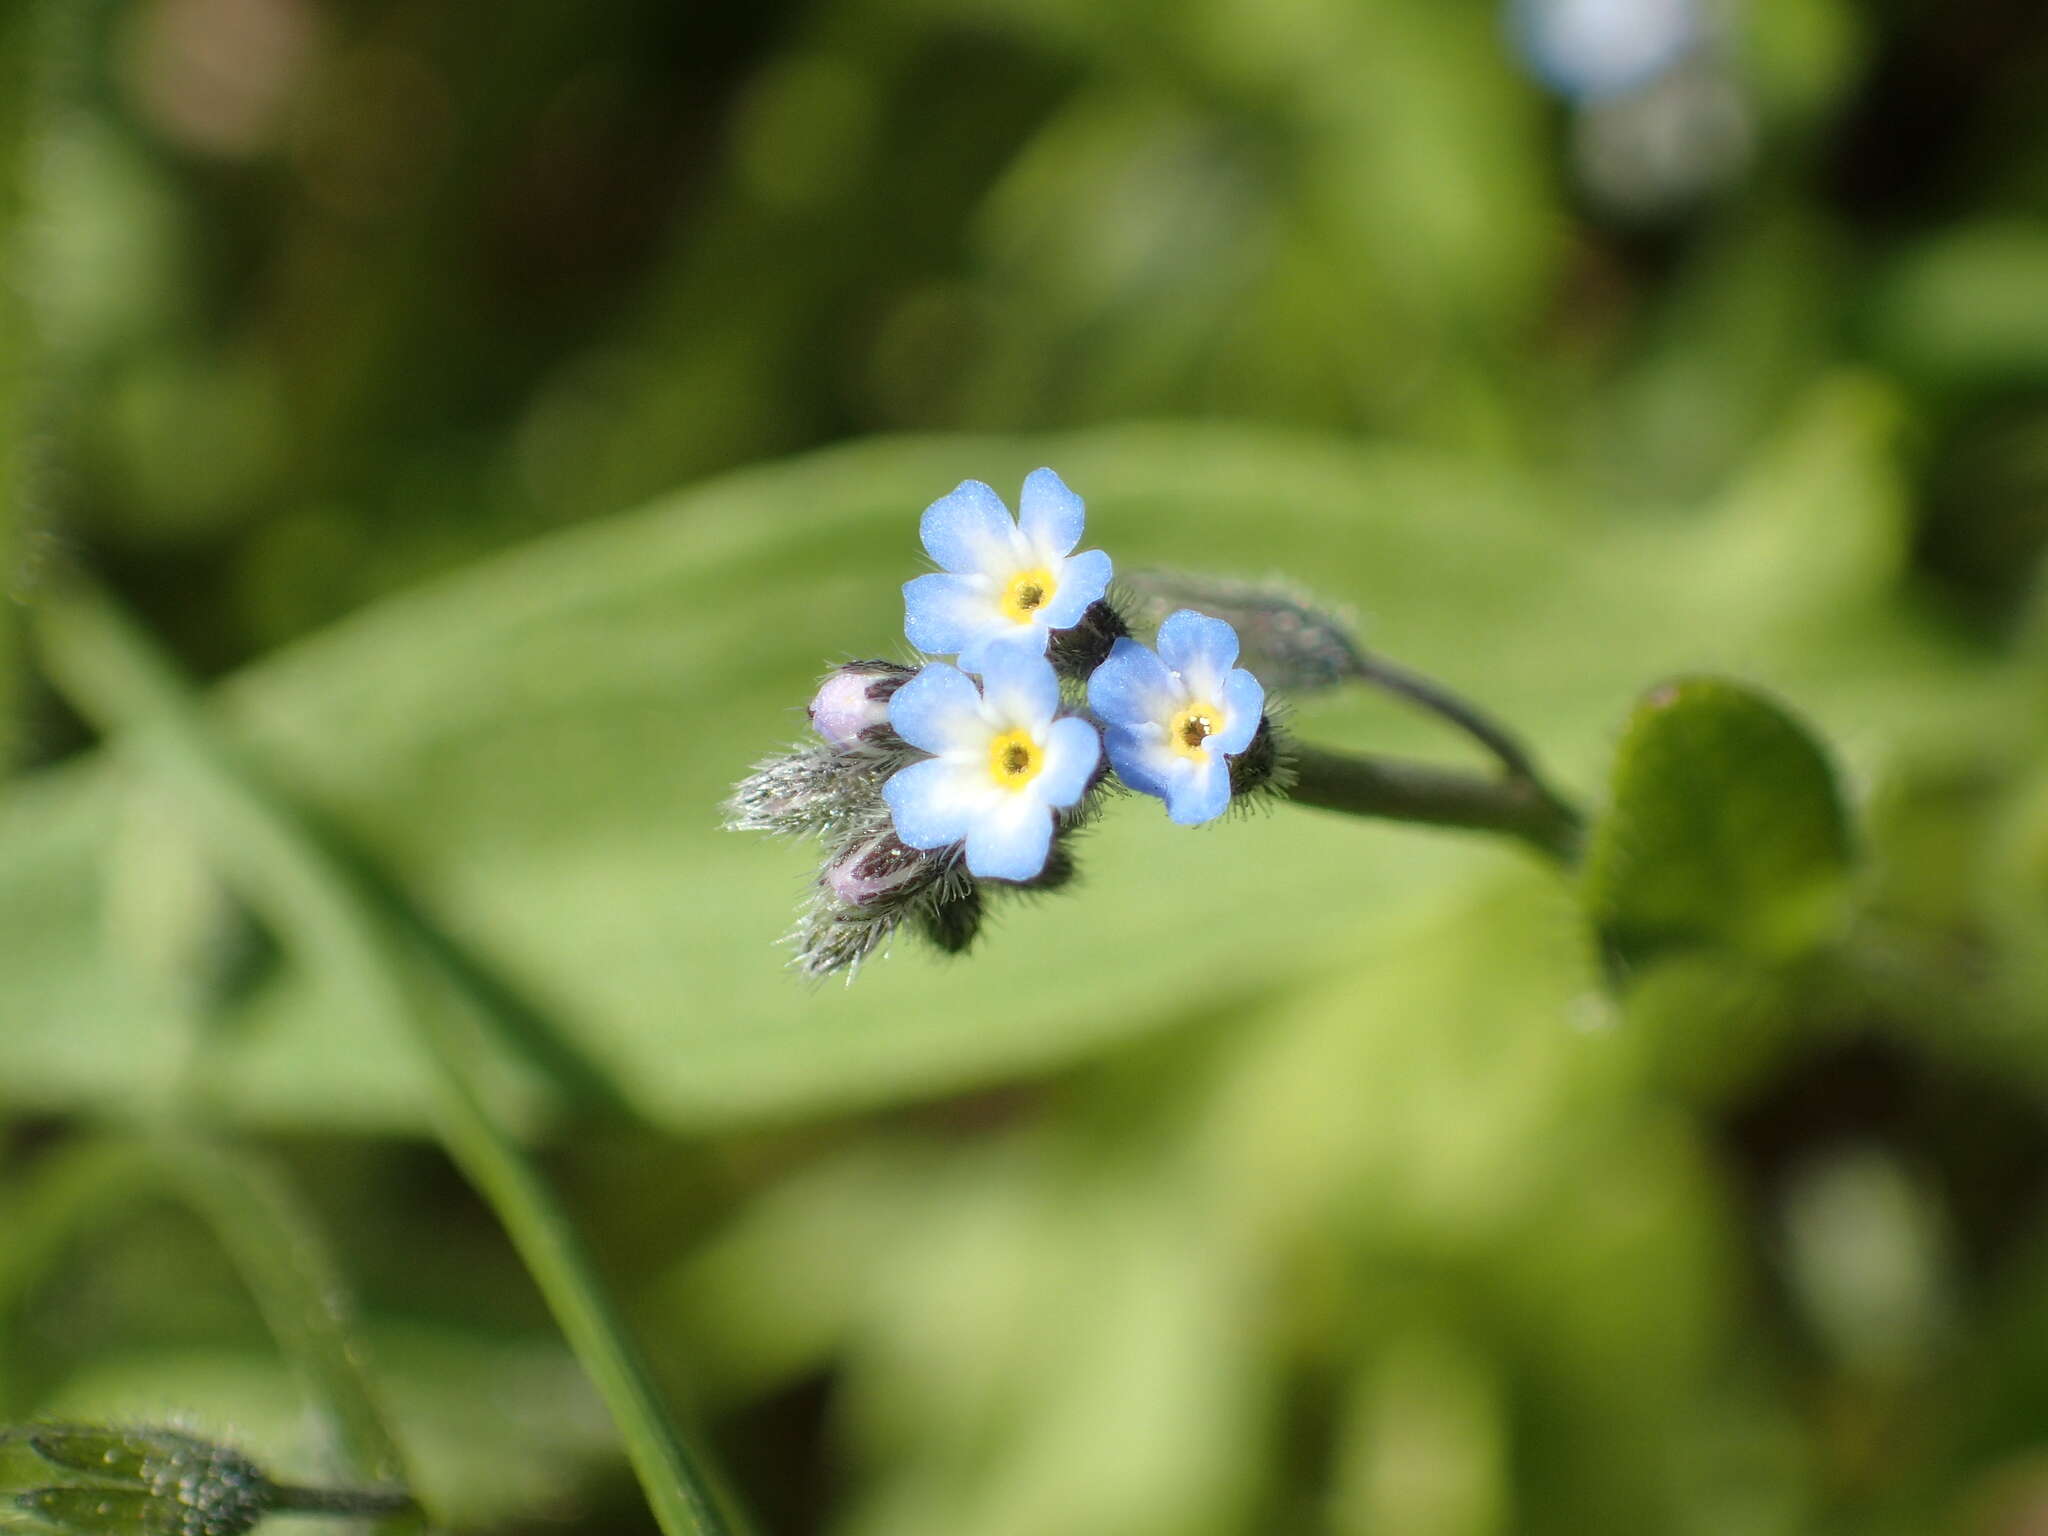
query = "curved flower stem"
{"x": 356, "y": 1503}
{"x": 1520, "y": 804}
{"x": 289, "y": 1272}
{"x": 1446, "y": 705}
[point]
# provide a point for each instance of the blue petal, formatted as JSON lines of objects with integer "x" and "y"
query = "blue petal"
{"x": 945, "y": 614}
{"x": 938, "y": 710}
{"x": 1140, "y": 760}
{"x": 1132, "y": 686}
{"x": 1002, "y": 635}
{"x": 927, "y": 804}
{"x": 1200, "y": 649}
{"x": 1244, "y": 701}
{"x": 1050, "y": 515}
{"x": 1590, "y": 51}
{"x": 1019, "y": 683}
{"x": 1083, "y": 579}
{"x": 969, "y": 529}
{"x": 1010, "y": 843}
{"x": 1200, "y": 792}
{"x": 1072, "y": 749}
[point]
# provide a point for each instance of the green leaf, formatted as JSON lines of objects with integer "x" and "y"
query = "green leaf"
{"x": 1726, "y": 830}
{"x": 534, "y": 751}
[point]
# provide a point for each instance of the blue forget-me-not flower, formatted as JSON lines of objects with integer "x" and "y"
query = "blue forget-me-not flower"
{"x": 1176, "y": 715}
{"x": 933, "y": 793}
{"x": 1004, "y": 760}
{"x": 1587, "y": 49}
{"x": 1002, "y": 581}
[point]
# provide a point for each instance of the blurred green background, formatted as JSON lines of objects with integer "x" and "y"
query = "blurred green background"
{"x": 508, "y": 411}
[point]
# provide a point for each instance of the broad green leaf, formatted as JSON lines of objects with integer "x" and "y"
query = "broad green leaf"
{"x": 535, "y": 750}
{"x": 1726, "y": 828}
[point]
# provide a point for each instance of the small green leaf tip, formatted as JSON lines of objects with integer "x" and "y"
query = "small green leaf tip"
{"x": 1725, "y": 829}
{"x": 153, "y": 1482}
{"x": 164, "y": 1482}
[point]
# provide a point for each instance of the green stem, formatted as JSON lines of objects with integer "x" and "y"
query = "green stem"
{"x": 287, "y": 1268}
{"x": 357, "y": 1503}
{"x": 1457, "y": 710}
{"x": 80, "y": 1185}
{"x": 1446, "y": 797}
{"x": 117, "y": 676}
{"x": 678, "y": 1484}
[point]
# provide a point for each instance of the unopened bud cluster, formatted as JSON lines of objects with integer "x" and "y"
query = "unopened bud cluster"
{"x": 852, "y": 703}
{"x": 934, "y": 788}
{"x": 871, "y": 881}
{"x": 164, "y": 1482}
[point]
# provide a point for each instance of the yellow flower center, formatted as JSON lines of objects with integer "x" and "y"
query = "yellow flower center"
{"x": 1028, "y": 592}
{"x": 1014, "y": 759}
{"x": 1192, "y": 727}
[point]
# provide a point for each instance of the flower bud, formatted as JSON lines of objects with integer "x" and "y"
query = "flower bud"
{"x": 1077, "y": 651}
{"x": 107, "y": 1511}
{"x": 816, "y": 790}
{"x": 148, "y": 1481}
{"x": 124, "y": 1455}
{"x": 1059, "y": 868}
{"x": 1292, "y": 642}
{"x": 1254, "y": 768}
{"x": 878, "y": 870}
{"x": 853, "y": 701}
{"x": 953, "y": 921}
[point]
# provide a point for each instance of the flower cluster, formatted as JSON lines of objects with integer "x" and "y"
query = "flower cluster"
{"x": 932, "y": 787}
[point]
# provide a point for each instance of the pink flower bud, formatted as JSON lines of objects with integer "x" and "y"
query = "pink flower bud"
{"x": 854, "y": 700}
{"x": 877, "y": 869}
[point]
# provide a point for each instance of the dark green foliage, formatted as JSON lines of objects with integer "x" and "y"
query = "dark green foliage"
{"x": 1724, "y": 828}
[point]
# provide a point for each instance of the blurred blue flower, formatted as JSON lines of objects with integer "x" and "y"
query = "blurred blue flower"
{"x": 1003, "y": 761}
{"x": 1591, "y": 48}
{"x": 1002, "y": 581}
{"x": 1175, "y": 715}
